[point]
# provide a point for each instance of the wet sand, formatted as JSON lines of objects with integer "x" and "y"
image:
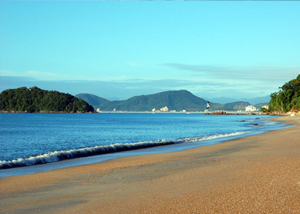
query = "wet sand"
{"x": 255, "y": 174}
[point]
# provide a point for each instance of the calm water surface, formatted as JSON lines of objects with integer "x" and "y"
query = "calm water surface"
{"x": 31, "y": 139}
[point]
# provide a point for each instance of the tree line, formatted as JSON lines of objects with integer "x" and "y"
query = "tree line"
{"x": 287, "y": 98}
{"x": 37, "y": 100}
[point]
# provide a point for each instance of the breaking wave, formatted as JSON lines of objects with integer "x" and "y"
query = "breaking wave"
{"x": 98, "y": 150}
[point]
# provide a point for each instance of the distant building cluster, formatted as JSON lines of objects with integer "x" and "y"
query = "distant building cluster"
{"x": 250, "y": 108}
{"x": 164, "y": 109}
{"x": 253, "y": 108}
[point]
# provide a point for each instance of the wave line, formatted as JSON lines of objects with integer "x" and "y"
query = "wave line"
{"x": 98, "y": 150}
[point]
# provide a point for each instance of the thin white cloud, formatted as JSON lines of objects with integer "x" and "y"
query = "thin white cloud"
{"x": 219, "y": 84}
{"x": 49, "y": 76}
{"x": 46, "y": 75}
{"x": 11, "y": 73}
{"x": 265, "y": 73}
{"x": 34, "y": 74}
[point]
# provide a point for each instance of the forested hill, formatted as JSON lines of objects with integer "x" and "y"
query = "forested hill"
{"x": 235, "y": 106}
{"x": 91, "y": 99}
{"x": 37, "y": 100}
{"x": 287, "y": 98}
{"x": 174, "y": 100}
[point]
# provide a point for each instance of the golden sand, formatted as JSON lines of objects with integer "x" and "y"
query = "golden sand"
{"x": 255, "y": 174}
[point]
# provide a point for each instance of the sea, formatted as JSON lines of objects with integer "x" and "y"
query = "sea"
{"x": 34, "y": 142}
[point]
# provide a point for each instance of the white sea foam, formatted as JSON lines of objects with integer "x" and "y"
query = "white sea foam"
{"x": 97, "y": 150}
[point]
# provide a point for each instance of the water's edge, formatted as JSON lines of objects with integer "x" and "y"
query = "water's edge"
{"x": 124, "y": 151}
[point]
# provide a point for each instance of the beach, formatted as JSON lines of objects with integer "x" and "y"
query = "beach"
{"x": 254, "y": 174}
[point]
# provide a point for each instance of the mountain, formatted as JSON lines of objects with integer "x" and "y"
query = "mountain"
{"x": 235, "y": 106}
{"x": 260, "y": 105}
{"x": 258, "y": 100}
{"x": 174, "y": 100}
{"x": 91, "y": 99}
{"x": 37, "y": 100}
{"x": 253, "y": 101}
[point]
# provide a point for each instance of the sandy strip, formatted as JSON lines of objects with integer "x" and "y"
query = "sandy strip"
{"x": 255, "y": 174}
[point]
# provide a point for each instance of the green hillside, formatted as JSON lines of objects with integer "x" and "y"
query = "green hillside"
{"x": 91, "y": 99}
{"x": 260, "y": 105}
{"x": 37, "y": 100}
{"x": 174, "y": 100}
{"x": 287, "y": 98}
{"x": 235, "y": 106}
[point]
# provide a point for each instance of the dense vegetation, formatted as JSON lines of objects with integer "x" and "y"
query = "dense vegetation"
{"x": 287, "y": 98}
{"x": 37, "y": 100}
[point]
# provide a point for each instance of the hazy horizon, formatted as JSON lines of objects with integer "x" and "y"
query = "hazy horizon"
{"x": 216, "y": 49}
{"x": 221, "y": 100}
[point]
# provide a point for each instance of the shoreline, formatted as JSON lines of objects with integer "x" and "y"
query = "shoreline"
{"x": 97, "y": 154}
{"x": 257, "y": 173}
{"x": 150, "y": 112}
{"x": 216, "y": 112}
{"x": 45, "y": 112}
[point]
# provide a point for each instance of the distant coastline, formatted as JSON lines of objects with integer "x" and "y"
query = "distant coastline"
{"x": 181, "y": 100}
{"x": 47, "y": 112}
{"x": 218, "y": 112}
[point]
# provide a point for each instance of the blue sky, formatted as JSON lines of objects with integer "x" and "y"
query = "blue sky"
{"x": 121, "y": 49}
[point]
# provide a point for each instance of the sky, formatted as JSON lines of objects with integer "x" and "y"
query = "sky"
{"x": 121, "y": 49}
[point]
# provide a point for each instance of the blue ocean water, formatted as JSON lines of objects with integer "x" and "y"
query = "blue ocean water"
{"x": 31, "y": 139}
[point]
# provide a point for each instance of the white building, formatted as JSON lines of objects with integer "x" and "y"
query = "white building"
{"x": 265, "y": 106}
{"x": 250, "y": 108}
{"x": 164, "y": 109}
